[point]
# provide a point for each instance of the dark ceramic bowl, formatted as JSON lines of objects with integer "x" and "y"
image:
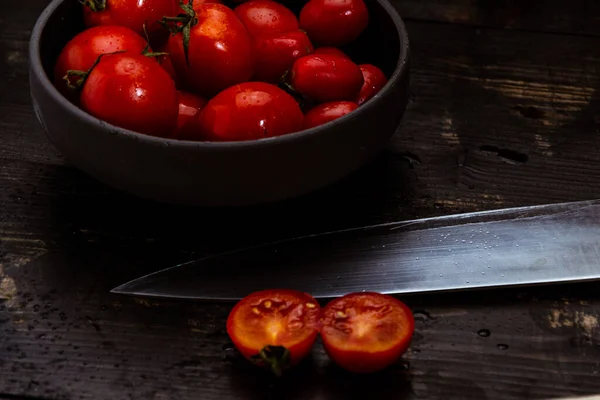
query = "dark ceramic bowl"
{"x": 222, "y": 174}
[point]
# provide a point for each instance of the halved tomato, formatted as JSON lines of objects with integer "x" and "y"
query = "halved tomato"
{"x": 276, "y": 328}
{"x": 366, "y": 332}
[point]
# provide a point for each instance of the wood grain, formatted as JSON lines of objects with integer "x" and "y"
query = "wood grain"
{"x": 498, "y": 117}
{"x": 579, "y": 17}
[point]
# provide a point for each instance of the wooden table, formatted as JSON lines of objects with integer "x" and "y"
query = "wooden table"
{"x": 504, "y": 111}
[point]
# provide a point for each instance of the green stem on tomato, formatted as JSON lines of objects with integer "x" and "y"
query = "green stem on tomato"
{"x": 277, "y": 358}
{"x": 83, "y": 75}
{"x": 94, "y": 5}
{"x": 284, "y": 84}
{"x": 146, "y": 51}
{"x": 188, "y": 19}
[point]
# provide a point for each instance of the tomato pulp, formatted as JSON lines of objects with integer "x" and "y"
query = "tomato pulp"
{"x": 275, "y": 328}
{"x": 366, "y": 332}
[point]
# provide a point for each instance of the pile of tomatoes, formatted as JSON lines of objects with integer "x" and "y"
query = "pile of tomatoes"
{"x": 362, "y": 332}
{"x": 205, "y": 71}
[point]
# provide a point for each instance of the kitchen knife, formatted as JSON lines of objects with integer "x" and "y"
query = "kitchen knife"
{"x": 509, "y": 247}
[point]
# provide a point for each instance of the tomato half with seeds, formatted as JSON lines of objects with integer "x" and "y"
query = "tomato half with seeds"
{"x": 325, "y": 112}
{"x": 276, "y": 328}
{"x": 266, "y": 16}
{"x": 375, "y": 80}
{"x": 276, "y": 53}
{"x": 188, "y": 122}
{"x": 366, "y": 332}
{"x": 326, "y": 77}
{"x": 82, "y": 51}
{"x": 250, "y": 111}
{"x": 132, "y": 91}
{"x": 133, "y": 14}
{"x": 334, "y": 22}
{"x": 219, "y": 53}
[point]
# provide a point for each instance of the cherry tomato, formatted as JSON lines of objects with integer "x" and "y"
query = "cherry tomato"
{"x": 325, "y": 112}
{"x": 133, "y": 14}
{"x": 275, "y": 328}
{"x": 250, "y": 110}
{"x": 188, "y": 122}
{"x": 131, "y": 91}
{"x": 167, "y": 64}
{"x": 276, "y": 53}
{"x": 203, "y": 1}
{"x": 334, "y": 22}
{"x": 326, "y": 77}
{"x": 375, "y": 80}
{"x": 220, "y": 50}
{"x": 266, "y": 16}
{"x": 366, "y": 332}
{"x": 330, "y": 50}
{"x": 81, "y": 52}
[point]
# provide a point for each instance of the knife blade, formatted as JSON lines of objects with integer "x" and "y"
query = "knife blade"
{"x": 543, "y": 244}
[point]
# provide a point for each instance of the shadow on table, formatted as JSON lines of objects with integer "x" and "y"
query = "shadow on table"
{"x": 91, "y": 218}
{"x": 311, "y": 381}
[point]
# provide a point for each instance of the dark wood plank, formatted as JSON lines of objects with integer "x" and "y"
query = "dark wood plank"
{"x": 496, "y": 119}
{"x": 501, "y": 117}
{"x": 581, "y": 17}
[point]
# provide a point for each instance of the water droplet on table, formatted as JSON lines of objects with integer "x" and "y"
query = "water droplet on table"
{"x": 484, "y": 332}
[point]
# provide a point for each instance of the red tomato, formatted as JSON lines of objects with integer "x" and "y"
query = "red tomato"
{"x": 250, "y": 110}
{"x": 130, "y": 13}
{"x": 276, "y": 53}
{"x": 330, "y": 50}
{"x": 196, "y": 2}
{"x": 326, "y": 77}
{"x": 275, "y": 328}
{"x": 326, "y": 112}
{"x": 220, "y": 50}
{"x": 366, "y": 332}
{"x": 334, "y": 22}
{"x": 132, "y": 91}
{"x": 188, "y": 122}
{"x": 266, "y": 16}
{"x": 167, "y": 64}
{"x": 375, "y": 80}
{"x": 81, "y": 52}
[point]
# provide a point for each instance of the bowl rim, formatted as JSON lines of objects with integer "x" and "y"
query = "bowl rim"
{"x": 36, "y": 67}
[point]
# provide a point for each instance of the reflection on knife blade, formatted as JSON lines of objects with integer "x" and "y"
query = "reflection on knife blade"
{"x": 510, "y": 247}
